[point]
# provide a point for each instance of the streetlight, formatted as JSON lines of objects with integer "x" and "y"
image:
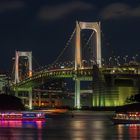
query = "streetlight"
{"x": 110, "y": 60}
{"x": 83, "y": 63}
{"x": 136, "y": 56}
{"x": 117, "y": 60}
{"x": 125, "y": 58}
{"x": 103, "y": 61}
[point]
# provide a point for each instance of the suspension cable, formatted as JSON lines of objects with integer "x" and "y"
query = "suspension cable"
{"x": 36, "y": 61}
{"x": 66, "y": 46}
{"x": 89, "y": 39}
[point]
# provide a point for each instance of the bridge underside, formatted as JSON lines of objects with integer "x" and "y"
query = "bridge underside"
{"x": 114, "y": 94}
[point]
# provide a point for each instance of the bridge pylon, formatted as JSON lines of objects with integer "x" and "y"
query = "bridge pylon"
{"x": 95, "y": 26}
{"x": 19, "y": 54}
{"x": 18, "y": 74}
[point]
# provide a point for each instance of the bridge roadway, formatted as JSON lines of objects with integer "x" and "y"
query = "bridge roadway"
{"x": 84, "y": 74}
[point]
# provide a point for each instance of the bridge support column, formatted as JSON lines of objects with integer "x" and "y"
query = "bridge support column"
{"x": 39, "y": 99}
{"x": 16, "y": 92}
{"x": 77, "y": 94}
{"x": 30, "y": 98}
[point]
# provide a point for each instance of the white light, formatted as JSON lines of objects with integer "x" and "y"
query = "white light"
{"x": 62, "y": 67}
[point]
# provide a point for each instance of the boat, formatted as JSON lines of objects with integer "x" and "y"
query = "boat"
{"x": 28, "y": 115}
{"x": 126, "y": 118}
{"x": 22, "y": 115}
{"x": 35, "y": 115}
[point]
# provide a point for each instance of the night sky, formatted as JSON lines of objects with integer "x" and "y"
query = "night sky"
{"x": 44, "y": 27}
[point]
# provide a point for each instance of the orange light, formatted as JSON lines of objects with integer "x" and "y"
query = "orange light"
{"x": 30, "y": 73}
{"x": 57, "y": 110}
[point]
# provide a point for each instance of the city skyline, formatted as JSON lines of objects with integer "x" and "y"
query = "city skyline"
{"x": 45, "y": 27}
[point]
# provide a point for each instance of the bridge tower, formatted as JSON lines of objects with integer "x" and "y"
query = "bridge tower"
{"x": 95, "y": 26}
{"x": 25, "y": 55}
{"x": 27, "y": 63}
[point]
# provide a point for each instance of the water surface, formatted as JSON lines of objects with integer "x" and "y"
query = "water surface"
{"x": 85, "y": 125}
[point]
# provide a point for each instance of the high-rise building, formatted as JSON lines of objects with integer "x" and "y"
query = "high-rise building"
{"x": 3, "y": 82}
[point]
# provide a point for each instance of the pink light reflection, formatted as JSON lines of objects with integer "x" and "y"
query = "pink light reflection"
{"x": 8, "y": 123}
{"x": 22, "y": 124}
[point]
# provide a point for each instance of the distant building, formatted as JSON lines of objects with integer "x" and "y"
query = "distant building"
{"x": 3, "y": 82}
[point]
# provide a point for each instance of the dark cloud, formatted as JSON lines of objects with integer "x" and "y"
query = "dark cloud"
{"x": 49, "y": 13}
{"x": 119, "y": 10}
{"x": 10, "y": 6}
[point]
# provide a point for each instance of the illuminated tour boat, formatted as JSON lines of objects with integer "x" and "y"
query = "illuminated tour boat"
{"x": 126, "y": 118}
{"x": 34, "y": 115}
{"x": 23, "y": 115}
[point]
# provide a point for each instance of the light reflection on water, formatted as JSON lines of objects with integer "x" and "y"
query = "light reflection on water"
{"x": 22, "y": 124}
{"x": 21, "y": 130}
{"x": 132, "y": 131}
{"x": 84, "y": 126}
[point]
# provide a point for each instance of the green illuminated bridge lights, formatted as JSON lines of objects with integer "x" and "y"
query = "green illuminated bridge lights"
{"x": 84, "y": 74}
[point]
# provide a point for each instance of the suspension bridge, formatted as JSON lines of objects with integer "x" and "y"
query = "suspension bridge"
{"x": 80, "y": 60}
